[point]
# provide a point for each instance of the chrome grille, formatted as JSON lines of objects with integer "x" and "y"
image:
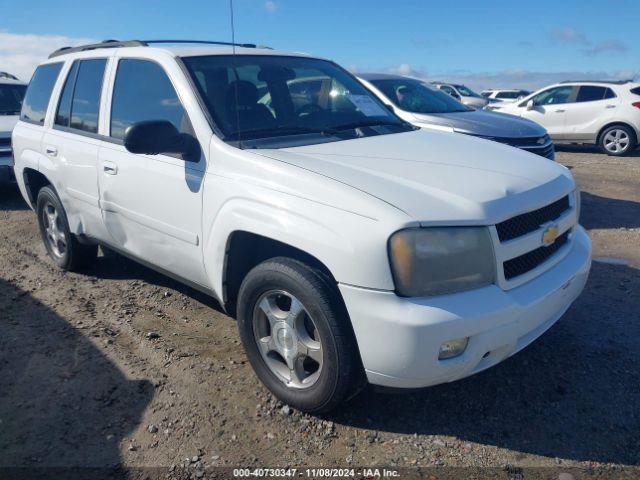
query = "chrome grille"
{"x": 527, "y": 262}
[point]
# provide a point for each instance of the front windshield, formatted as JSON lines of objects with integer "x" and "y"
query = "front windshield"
{"x": 413, "y": 96}
{"x": 11, "y": 98}
{"x": 466, "y": 92}
{"x": 261, "y": 97}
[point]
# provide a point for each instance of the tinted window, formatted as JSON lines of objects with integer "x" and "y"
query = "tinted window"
{"x": 635, "y": 91}
{"x": 36, "y": 100}
{"x": 554, "y": 96}
{"x": 508, "y": 95}
{"x": 414, "y": 96}
{"x": 142, "y": 91}
{"x": 589, "y": 93}
{"x": 11, "y": 98}
{"x": 63, "y": 114}
{"x": 86, "y": 95}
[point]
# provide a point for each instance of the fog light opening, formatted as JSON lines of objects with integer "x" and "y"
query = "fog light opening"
{"x": 453, "y": 348}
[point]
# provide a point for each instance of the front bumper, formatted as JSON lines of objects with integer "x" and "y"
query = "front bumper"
{"x": 399, "y": 338}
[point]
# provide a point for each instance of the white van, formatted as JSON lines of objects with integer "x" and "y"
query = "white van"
{"x": 349, "y": 245}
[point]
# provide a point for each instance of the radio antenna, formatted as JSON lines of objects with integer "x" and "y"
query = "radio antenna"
{"x": 235, "y": 72}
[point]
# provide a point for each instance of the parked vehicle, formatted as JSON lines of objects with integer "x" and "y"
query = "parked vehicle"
{"x": 604, "y": 113}
{"x": 350, "y": 245}
{"x": 11, "y": 95}
{"x": 463, "y": 94}
{"x": 425, "y": 107}
{"x": 499, "y": 95}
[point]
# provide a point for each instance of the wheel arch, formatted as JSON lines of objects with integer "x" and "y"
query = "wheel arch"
{"x": 614, "y": 124}
{"x": 34, "y": 181}
{"x": 245, "y": 250}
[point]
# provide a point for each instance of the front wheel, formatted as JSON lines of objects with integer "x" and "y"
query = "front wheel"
{"x": 618, "y": 140}
{"x": 297, "y": 335}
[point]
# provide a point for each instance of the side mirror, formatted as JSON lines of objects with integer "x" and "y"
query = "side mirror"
{"x": 152, "y": 137}
{"x": 530, "y": 105}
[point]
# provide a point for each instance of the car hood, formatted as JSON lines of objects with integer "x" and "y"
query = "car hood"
{"x": 7, "y": 122}
{"x": 435, "y": 177}
{"x": 484, "y": 123}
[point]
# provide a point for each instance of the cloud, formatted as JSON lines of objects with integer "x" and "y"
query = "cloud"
{"x": 513, "y": 78}
{"x": 569, "y": 35}
{"x": 610, "y": 46}
{"x": 402, "y": 69}
{"x": 270, "y": 6}
{"x": 20, "y": 54}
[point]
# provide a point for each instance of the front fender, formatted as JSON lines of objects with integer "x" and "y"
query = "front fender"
{"x": 351, "y": 246}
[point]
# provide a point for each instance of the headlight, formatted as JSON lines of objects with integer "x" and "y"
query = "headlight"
{"x": 437, "y": 261}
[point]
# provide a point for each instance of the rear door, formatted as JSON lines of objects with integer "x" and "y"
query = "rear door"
{"x": 73, "y": 142}
{"x": 151, "y": 204}
{"x": 550, "y": 109}
{"x": 594, "y": 105}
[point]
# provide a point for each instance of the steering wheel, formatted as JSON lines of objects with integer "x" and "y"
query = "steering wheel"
{"x": 308, "y": 109}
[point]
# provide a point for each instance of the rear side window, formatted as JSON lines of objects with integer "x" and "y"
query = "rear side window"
{"x": 79, "y": 105}
{"x": 508, "y": 95}
{"x": 36, "y": 100}
{"x": 142, "y": 91}
{"x": 590, "y": 93}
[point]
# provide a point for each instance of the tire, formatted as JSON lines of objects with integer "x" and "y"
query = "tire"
{"x": 334, "y": 372}
{"x": 62, "y": 246}
{"x": 618, "y": 140}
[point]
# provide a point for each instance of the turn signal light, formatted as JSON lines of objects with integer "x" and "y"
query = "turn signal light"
{"x": 636, "y": 104}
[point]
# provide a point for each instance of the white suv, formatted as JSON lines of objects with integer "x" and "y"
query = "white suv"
{"x": 11, "y": 95}
{"x": 499, "y": 95}
{"x": 349, "y": 245}
{"x": 603, "y": 113}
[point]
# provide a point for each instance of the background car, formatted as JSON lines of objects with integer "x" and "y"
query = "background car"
{"x": 499, "y": 95}
{"x": 11, "y": 95}
{"x": 462, "y": 94}
{"x": 605, "y": 113}
{"x": 426, "y": 107}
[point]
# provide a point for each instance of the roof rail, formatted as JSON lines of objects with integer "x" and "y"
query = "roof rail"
{"x": 94, "y": 46}
{"x": 142, "y": 43}
{"x": 8, "y": 75}
{"x": 611, "y": 82}
{"x": 208, "y": 42}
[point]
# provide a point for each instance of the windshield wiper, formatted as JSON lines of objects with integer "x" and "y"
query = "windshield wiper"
{"x": 372, "y": 123}
{"x": 276, "y": 132}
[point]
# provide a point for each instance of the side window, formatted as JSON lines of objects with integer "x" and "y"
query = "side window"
{"x": 36, "y": 100}
{"x": 86, "y": 95}
{"x": 554, "y": 96}
{"x": 609, "y": 94}
{"x": 63, "y": 114}
{"x": 589, "y": 93}
{"x": 142, "y": 91}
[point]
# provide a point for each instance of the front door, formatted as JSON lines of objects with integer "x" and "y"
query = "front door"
{"x": 151, "y": 204}
{"x": 550, "y": 109}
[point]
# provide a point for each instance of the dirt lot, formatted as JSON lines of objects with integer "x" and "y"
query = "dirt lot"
{"x": 82, "y": 384}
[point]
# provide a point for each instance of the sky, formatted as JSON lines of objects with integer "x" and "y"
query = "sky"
{"x": 483, "y": 44}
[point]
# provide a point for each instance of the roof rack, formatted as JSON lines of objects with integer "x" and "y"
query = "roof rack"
{"x": 611, "y": 82}
{"x": 8, "y": 75}
{"x": 142, "y": 43}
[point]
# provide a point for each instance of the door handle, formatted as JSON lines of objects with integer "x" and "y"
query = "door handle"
{"x": 110, "y": 168}
{"x": 560, "y": 111}
{"x": 51, "y": 151}
{"x": 610, "y": 106}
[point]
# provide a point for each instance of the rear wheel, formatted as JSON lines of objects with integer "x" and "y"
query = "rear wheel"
{"x": 62, "y": 246}
{"x": 618, "y": 140}
{"x": 297, "y": 335}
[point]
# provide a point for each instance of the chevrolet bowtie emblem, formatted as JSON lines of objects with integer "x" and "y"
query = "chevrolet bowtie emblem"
{"x": 549, "y": 235}
{"x": 541, "y": 140}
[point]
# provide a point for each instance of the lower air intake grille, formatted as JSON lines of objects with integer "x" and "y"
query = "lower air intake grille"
{"x": 527, "y": 262}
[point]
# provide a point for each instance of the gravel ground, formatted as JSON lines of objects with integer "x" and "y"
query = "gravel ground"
{"x": 122, "y": 366}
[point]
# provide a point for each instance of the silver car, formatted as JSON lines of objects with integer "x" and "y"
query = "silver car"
{"x": 426, "y": 107}
{"x": 463, "y": 94}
